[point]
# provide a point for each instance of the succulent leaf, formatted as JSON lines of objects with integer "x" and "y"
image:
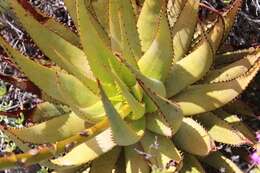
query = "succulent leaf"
{"x": 148, "y": 22}
{"x": 157, "y": 59}
{"x": 122, "y": 132}
{"x": 230, "y": 57}
{"x": 155, "y": 85}
{"x": 71, "y": 7}
{"x": 47, "y": 151}
{"x": 106, "y": 162}
{"x": 52, "y": 24}
{"x": 98, "y": 53}
{"x": 193, "y": 138}
{"x": 217, "y": 127}
{"x": 174, "y": 9}
{"x": 137, "y": 107}
{"x": 240, "y": 108}
{"x": 182, "y": 32}
{"x": 217, "y": 160}
{"x": 235, "y": 122}
{"x": 88, "y": 151}
{"x": 207, "y": 97}
{"x": 222, "y": 25}
{"x": 191, "y": 165}
{"x": 135, "y": 163}
{"x": 123, "y": 28}
{"x": 230, "y": 15}
{"x": 169, "y": 110}
{"x": 46, "y": 79}
{"x": 189, "y": 69}
{"x": 234, "y": 70}
{"x": 156, "y": 123}
{"x": 163, "y": 154}
{"x": 62, "y": 52}
{"x": 100, "y": 7}
{"x": 122, "y": 84}
{"x": 51, "y": 131}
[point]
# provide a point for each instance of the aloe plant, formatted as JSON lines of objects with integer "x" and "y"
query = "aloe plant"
{"x": 3, "y": 6}
{"x": 133, "y": 89}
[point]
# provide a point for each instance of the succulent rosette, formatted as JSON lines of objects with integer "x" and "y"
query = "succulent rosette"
{"x": 138, "y": 88}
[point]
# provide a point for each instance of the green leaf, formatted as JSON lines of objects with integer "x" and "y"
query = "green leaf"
{"x": 217, "y": 127}
{"x": 207, "y": 97}
{"x": 62, "y": 52}
{"x": 63, "y": 31}
{"x": 162, "y": 151}
{"x": 88, "y": 151}
{"x": 148, "y": 22}
{"x": 193, "y": 138}
{"x": 51, "y": 131}
{"x": 156, "y": 123}
{"x": 106, "y": 162}
{"x": 191, "y": 165}
{"x": 45, "y": 111}
{"x": 96, "y": 112}
{"x": 240, "y": 108}
{"x": 235, "y": 122}
{"x": 230, "y": 57}
{"x": 218, "y": 161}
{"x": 138, "y": 109}
{"x": 51, "y": 81}
{"x": 71, "y": 7}
{"x": 170, "y": 111}
{"x": 189, "y": 69}
{"x": 230, "y": 15}
{"x": 98, "y": 53}
{"x": 155, "y": 85}
{"x": 48, "y": 151}
{"x": 135, "y": 163}
{"x": 100, "y": 7}
{"x": 183, "y": 29}
{"x": 123, "y": 29}
{"x": 156, "y": 61}
{"x": 122, "y": 132}
{"x": 232, "y": 71}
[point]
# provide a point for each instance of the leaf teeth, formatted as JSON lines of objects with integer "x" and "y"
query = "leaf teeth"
{"x": 182, "y": 32}
{"x": 218, "y": 160}
{"x": 156, "y": 61}
{"x": 168, "y": 110}
{"x": 207, "y": 97}
{"x": 32, "y": 11}
{"x": 148, "y": 22}
{"x": 217, "y": 127}
{"x": 89, "y": 150}
{"x": 234, "y": 70}
{"x": 14, "y": 137}
{"x": 236, "y": 123}
{"x": 193, "y": 138}
{"x": 201, "y": 29}
{"x": 190, "y": 69}
{"x": 157, "y": 123}
{"x": 122, "y": 132}
{"x": 62, "y": 126}
{"x": 230, "y": 8}
{"x": 226, "y": 58}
